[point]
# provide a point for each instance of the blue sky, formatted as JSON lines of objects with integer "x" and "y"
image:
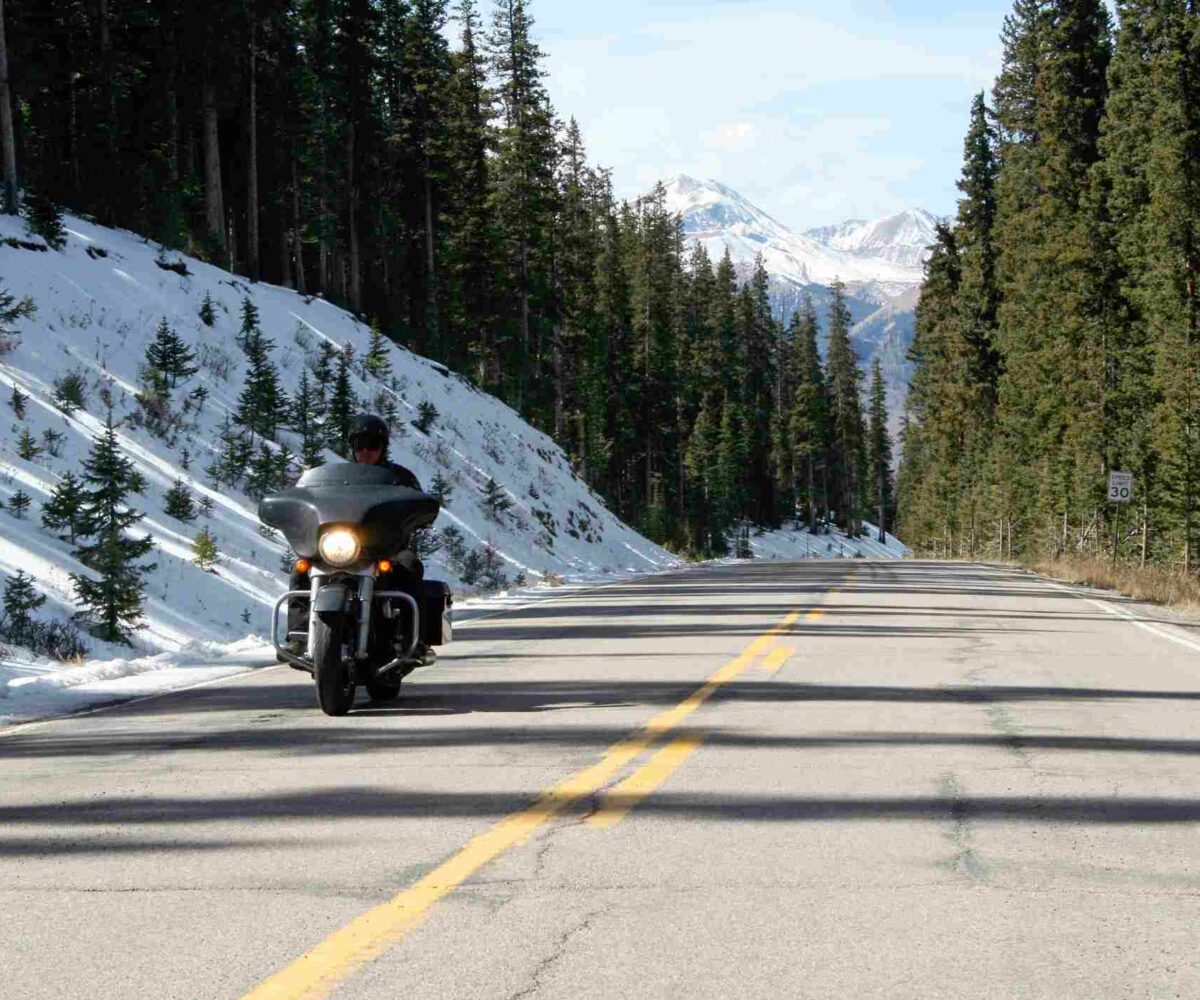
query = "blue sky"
{"x": 816, "y": 112}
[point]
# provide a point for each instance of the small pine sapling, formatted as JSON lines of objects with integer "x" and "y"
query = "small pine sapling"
{"x": 17, "y": 401}
{"x": 69, "y": 392}
{"x": 27, "y": 446}
{"x": 493, "y": 576}
{"x": 441, "y": 489}
{"x": 470, "y": 569}
{"x": 454, "y": 546}
{"x": 208, "y": 315}
{"x": 495, "y": 500}
{"x": 44, "y": 218}
{"x": 206, "y": 506}
{"x": 427, "y": 415}
{"x": 52, "y": 442}
{"x": 377, "y": 362}
{"x": 11, "y": 310}
{"x": 178, "y": 503}
{"x": 18, "y": 503}
{"x": 20, "y": 600}
{"x": 204, "y": 550}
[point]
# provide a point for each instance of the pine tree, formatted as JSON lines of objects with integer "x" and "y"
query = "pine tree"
{"x": 113, "y": 597}
{"x": 208, "y": 315}
{"x": 170, "y": 355}
{"x": 808, "y": 422}
{"x": 495, "y": 499}
{"x": 263, "y": 474}
{"x": 342, "y": 405}
{"x": 206, "y": 506}
{"x": 492, "y": 575}
{"x": 64, "y": 510}
{"x": 178, "y": 503}
{"x": 204, "y": 550}
{"x": 17, "y": 401}
{"x": 305, "y": 423}
{"x": 44, "y": 218}
{"x": 441, "y": 490}
{"x": 70, "y": 392}
{"x": 27, "y": 446}
{"x": 261, "y": 406}
{"x": 377, "y": 362}
{"x": 880, "y": 485}
{"x": 18, "y": 503}
{"x": 427, "y": 415}
{"x": 248, "y": 332}
{"x": 234, "y": 451}
{"x": 846, "y": 417}
{"x": 52, "y": 442}
{"x": 11, "y": 310}
{"x": 21, "y": 599}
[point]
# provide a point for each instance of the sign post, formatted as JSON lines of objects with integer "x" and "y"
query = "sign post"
{"x": 1120, "y": 492}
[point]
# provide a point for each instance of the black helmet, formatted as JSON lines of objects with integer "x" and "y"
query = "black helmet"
{"x": 367, "y": 431}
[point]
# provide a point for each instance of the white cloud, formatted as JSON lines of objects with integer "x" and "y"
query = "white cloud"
{"x": 738, "y": 136}
{"x": 807, "y": 117}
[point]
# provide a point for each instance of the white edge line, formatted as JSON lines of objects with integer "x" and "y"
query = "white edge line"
{"x": 1126, "y": 616}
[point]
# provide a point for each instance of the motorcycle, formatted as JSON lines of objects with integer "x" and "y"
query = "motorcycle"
{"x": 345, "y": 522}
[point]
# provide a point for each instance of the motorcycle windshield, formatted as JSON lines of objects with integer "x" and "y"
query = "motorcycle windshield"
{"x": 364, "y": 496}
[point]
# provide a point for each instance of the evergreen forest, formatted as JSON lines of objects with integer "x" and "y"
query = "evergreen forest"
{"x": 1058, "y": 333}
{"x": 401, "y": 158}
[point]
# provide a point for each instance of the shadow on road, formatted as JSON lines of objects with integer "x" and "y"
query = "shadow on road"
{"x": 131, "y": 813}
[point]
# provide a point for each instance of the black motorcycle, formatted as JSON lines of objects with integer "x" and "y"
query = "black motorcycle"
{"x": 345, "y": 522}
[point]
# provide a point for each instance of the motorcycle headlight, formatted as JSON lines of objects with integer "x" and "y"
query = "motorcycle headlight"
{"x": 338, "y": 546}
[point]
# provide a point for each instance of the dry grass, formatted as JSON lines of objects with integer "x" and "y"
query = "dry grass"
{"x": 1143, "y": 583}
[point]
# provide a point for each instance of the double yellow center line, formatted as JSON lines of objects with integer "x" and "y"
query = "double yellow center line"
{"x": 317, "y": 972}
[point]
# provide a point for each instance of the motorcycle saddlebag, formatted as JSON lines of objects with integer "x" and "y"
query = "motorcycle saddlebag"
{"x": 436, "y": 602}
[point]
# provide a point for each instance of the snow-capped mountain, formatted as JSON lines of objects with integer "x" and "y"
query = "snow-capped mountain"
{"x": 902, "y": 239}
{"x": 881, "y": 262}
{"x": 877, "y": 260}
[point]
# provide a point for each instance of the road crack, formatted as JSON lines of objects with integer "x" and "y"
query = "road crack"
{"x": 966, "y": 861}
{"x": 555, "y": 956}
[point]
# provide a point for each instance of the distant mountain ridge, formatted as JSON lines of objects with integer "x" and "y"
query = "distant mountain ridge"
{"x": 877, "y": 259}
{"x": 881, "y": 262}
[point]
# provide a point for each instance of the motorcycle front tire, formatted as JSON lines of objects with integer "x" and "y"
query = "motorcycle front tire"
{"x": 335, "y": 679}
{"x": 383, "y": 691}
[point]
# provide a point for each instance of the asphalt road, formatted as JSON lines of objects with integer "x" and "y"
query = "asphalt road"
{"x": 818, "y": 780}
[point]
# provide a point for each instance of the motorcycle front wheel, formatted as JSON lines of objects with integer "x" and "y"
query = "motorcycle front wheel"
{"x": 334, "y": 677}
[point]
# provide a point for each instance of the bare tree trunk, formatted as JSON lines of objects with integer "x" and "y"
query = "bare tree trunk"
{"x": 297, "y": 227}
{"x": 431, "y": 288}
{"x": 8, "y": 144}
{"x": 214, "y": 201}
{"x": 355, "y": 290}
{"x": 252, "y": 234}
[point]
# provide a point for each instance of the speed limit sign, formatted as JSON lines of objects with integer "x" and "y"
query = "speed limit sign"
{"x": 1120, "y": 487}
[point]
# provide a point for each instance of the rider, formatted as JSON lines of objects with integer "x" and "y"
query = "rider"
{"x": 367, "y": 443}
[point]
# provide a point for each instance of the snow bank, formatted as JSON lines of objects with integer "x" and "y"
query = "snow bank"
{"x": 98, "y": 303}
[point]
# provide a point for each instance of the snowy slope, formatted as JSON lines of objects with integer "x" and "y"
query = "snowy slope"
{"x": 879, "y": 259}
{"x": 98, "y": 304}
{"x": 793, "y": 544}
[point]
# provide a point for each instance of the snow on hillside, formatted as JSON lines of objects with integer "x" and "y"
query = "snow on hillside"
{"x": 98, "y": 304}
{"x": 880, "y": 259}
{"x": 797, "y": 543}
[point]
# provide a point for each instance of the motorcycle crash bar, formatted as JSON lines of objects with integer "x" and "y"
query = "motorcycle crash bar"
{"x": 282, "y": 652}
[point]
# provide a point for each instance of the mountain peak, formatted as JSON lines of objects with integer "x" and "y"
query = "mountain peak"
{"x": 883, "y": 256}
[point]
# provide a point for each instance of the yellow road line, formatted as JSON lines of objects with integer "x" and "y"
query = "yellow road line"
{"x": 316, "y": 973}
{"x": 621, "y": 798}
{"x": 778, "y": 657}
